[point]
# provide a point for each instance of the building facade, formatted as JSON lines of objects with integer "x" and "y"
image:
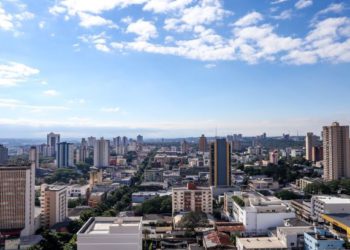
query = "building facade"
{"x": 17, "y": 196}
{"x": 54, "y": 205}
{"x": 65, "y": 155}
{"x": 192, "y": 198}
{"x": 52, "y": 142}
{"x": 101, "y": 153}
{"x": 220, "y": 163}
{"x": 336, "y": 152}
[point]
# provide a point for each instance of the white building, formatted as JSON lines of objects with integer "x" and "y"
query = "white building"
{"x": 293, "y": 237}
{"x": 108, "y": 233}
{"x": 328, "y": 205}
{"x": 78, "y": 190}
{"x": 259, "y": 213}
{"x": 260, "y": 243}
{"x": 101, "y": 153}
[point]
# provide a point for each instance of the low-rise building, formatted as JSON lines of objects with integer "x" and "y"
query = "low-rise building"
{"x": 322, "y": 240}
{"x": 260, "y": 243}
{"x": 192, "y": 198}
{"x": 293, "y": 237}
{"x": 303, "y": 182}
{"x": 259, "y": 213}
{"x": 338, "y": 224}
{"x": 108, "y": 233}
{"x": 78, "y": 190}
{"x": 263, "y": 184}
{"x": 154, "y": 174}
{"x": 328, "y": 205}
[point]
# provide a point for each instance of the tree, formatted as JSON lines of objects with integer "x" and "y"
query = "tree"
{"x": 287, "y": 195}
{"x": 193, "y": 220}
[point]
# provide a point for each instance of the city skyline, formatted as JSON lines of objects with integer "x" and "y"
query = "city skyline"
{"x": 173, "y": 68}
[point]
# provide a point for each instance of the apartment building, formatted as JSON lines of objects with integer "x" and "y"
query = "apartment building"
{"x": 192, "y": 198}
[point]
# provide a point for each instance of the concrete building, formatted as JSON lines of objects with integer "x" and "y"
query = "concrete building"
{"x": 328, "y": 205}
{"x": 91, "y": 141}
{"x": 317, "y": 154}
{"x": 154, "y": 175}
{"x": 101, "y": 153}
{"x": 65, "y": 155}
{"x": 203, "y": 144}
{"x": 263, "y": 184}
{"x": 52, "y": 142}
{"x": 259, "y": 213}
{"x": 336, "y": 152}
{"x": 96, "y": 177}
{"x": 220, "y": 163}
{"x": 83, "y": 151}
{"x": 139, "y": 139}
{"x": 17, "y": 196}
{"x": 192, "y": 198}
{"x": 303, "y": 182}
{"x": 54, "y": 205}
{"x": 111, "y": 233}
{"x": 293, "y": 237}
{"x": 310, "y": 142}
{"x": 262, "y": 243}
{"x": 185, "y": 147}
{"x": 322, "y": 240}
{"x": 273, "y": 157}
{"x": 34, "y": 156}
{"x": 4, "y": 154}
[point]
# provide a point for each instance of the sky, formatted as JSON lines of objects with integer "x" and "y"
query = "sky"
{"x": 173, "y": 68}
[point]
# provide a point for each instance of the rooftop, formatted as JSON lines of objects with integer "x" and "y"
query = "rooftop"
{"x": 111, "y": 225}
{"x": 263, "y": 242}
{"x": 333, "y": 200}
{"x": 340, "y": 218}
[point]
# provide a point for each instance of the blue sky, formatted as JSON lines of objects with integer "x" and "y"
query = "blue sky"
{"x": 168, "y": 68}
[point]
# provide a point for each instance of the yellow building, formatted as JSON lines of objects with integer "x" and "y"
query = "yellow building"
{"x": 340, "y": 223}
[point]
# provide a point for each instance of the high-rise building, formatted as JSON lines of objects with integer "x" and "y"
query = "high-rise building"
{"x": 4, "y": 154}
{"x": 273, "y": 157}
{"x": 139, "y": 139}
{"x": 52, "y": 141}
{"x": 101, "y": 153}
{"x": 65, "y": 155}
{"x": 34, "y": 156}
{"x": 91, "y": 141}
{"x": 192, "y": 198}
{"x": 17, "y": 197}
{"x": 83, "y": 150}
{"x": 317, "y": 153}
{"x": 203, "y": 144}
{"x": 54, "y": 205}
{"x": 310, "y": 142}
{"x": 336, "y": 152}
{"x": 220, "y": 163}
{"x": 184, "y": 147}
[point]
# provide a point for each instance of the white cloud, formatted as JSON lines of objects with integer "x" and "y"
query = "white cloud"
{"x": 72, "y": 7}
{"x": 249, "y": 19}
{"x": 333, "y": 8}
{"x": 286, "y": 14}
{"x": 99, "y": 41}
{"x": 278, "y": 1}
{"x": 12, "y": 73}
{"x": 42, "y": 24}
{"x": 12, "y": 21}
{"x": 17, "y": 104}
{"x": 161, "y": 6}
{"x": 144, "y": 29}
{"x": 301, "y": 4}
{"x": 111, "y": 110}
{"x": 6, "y": 20}
{"x": 51, "y": 92}
{"x": 88, "y": 20}
{"x": 210, "y": 66}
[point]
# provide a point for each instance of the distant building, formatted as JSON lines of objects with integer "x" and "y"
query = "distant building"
{"x": 263, "y": 184}
{"x": 17, "y": 195}
{"x": 139, "y": 139}
{"x": 101, "y": 153}
{"x": 310, "y": 142}
{"x": 107, "y": 233}
{"x": 52, "y": 141}
{"x": 273, "y": 157}
{"x": 34, "y": 156}
{"x": 153, "y": 175}
{"x": 54, "y": 205}
{"x": 203, "y": 144}
{"x": 185, "y": 147}
{"x": 65, "y": 155}
{"x": 4, "y": 154}
{"x": 336, "y": 152}
{"x": 95, "y": 177}
{"x": 91, "y": 141}
{"x": 83, "y": 150}
{"x": 192, "y": 198}
{"x": 220, "y": 163}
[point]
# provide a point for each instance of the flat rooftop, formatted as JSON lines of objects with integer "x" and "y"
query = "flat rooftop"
{"x": 111, "y": 225}
{"x": 263, "y": 242}
{"x": 342, "y": 218}
{"x": 333, "y": 200}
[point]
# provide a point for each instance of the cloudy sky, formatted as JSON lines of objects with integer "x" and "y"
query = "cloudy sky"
{"x": 167, "y": 68}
